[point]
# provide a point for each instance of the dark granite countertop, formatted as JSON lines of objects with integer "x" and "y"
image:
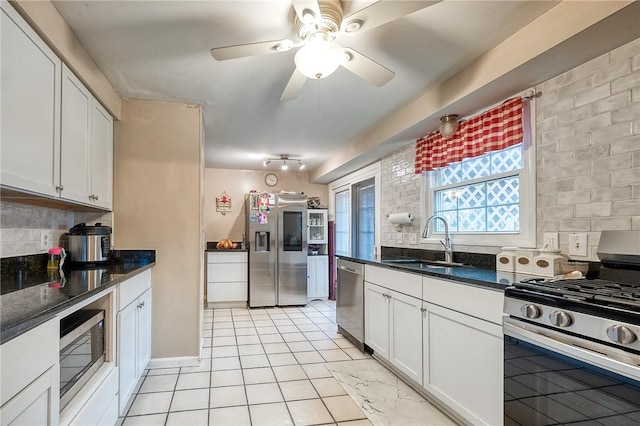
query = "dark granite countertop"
{"x": 30, "y": 295}
{"x": 482, "y": 277}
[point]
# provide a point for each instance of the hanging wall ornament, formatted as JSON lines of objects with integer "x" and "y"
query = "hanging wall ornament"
{"x": 223, "y": 203}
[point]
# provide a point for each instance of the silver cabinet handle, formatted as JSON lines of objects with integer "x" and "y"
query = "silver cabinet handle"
{"x": 344, "y": 268}
{"x": 423, "y": 309}
{"x": 60, "y": 188}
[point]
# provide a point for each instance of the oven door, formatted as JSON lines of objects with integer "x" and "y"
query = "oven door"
{"x": 552, "y": 378}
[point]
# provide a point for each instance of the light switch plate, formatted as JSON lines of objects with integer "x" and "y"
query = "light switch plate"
{"x": 44, "y": 240}
{"x": 577, "y": 244}
{"x": 413, "y": 239}
{"x": 399, "y": 238}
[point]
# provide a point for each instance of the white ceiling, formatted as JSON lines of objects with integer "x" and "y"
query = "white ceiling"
{"x": 159, "y": 50}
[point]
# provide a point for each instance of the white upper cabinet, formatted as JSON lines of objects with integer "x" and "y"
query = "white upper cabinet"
{"x": 31, "y": 80}
{"x": 317, "y": 225}
{"x": 101, "y": 157}
{"x": 76, "y": 138}
{"x": 57, "y": 140}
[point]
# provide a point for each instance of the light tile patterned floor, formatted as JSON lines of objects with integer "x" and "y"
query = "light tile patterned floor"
{"x": 259, "y": 367}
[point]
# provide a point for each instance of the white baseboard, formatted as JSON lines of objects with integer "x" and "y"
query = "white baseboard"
{"x": 183, "y": 361}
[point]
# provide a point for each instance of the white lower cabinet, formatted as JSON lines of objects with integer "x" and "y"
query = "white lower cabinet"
{"x": 376, "y": 319}
{"x": 463, "y": 359}
{"x": 134, "y": 333}
{"x": 37, "y": 404}
{"x": 227, "y": 283}
{"x": 30, "y": 377}
{"x": 393, "y": 328}
{"x": 444, "y": 337}
{"x": 318, "y": 277}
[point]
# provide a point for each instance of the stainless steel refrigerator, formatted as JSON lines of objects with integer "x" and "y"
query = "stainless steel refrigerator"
{"x": 276, "y": 232}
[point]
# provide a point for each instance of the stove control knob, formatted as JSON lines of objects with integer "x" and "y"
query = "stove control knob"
{"x": 530, "y": 311}
{"x": 560, "y": 319}
{"x": 621, "y": 334}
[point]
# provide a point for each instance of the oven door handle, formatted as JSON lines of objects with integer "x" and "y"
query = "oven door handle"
{"x": 602, "y": 356}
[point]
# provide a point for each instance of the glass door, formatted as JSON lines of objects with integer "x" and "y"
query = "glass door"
{"x": 364, "y": 219}
{"x": 343, "y": 222}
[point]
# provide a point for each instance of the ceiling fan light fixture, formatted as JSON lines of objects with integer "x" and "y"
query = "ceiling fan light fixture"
{"x": 448, "y": 125}
{"x": 266, "y": 162}
{"x": 301, "y": 165}
{"x": 319, "y": 58}
{"x": 353, "y": 26}
{"x": 284, "y": 165}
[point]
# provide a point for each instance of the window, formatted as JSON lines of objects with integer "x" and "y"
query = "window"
{"x": 480, "y": 194}
{"x": 488, "y": 200}
{"x": 342, "y": 210}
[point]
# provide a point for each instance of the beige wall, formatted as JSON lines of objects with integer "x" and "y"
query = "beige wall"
{"x": 157, "y": 186}
{"x": 237, "y": 183}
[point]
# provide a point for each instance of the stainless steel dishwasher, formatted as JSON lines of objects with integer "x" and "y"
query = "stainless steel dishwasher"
{"x": 350, "y": 301}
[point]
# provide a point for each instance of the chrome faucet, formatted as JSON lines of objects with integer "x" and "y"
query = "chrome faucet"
{"x": 426, "y": 233}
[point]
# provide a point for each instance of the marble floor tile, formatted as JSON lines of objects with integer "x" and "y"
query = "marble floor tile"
{"x": 263, "y": 393}
{"x": 289, "y": 372}
{"x": 328, "y": 386}
{"x": 149, "y": 420}
{"x": 383, "y": 397}
{"x": 250, "y": 350}
{"x": 254, "y": 361}
{"x": 224, "y": 351}
{"x": 276, "y": 348}
{"x": 254, "y": 376}
{"x": 228, "y": 363}
{"x": 226, "y": 378}
{"x": 162, "y": 383}
{"x": 342, "y": 408}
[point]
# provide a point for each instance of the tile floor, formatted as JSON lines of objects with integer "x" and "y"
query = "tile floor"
{"x": 259, "y": 367}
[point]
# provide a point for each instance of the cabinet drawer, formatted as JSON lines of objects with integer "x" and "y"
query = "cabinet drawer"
{"x": 227, "y": 257}
{"x": 129, "y": 290}
{"x": 101, "y": 405}
{"x": 401, "y": 282}
{"x": 227, "y": 292}
{"x": 478, "y": 302}
{"x": 226, "y": 272}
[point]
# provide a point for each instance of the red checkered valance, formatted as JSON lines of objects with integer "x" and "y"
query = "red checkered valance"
{"x": 493, "y": 130}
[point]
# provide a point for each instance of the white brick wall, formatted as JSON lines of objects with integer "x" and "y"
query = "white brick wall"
{"x": 588, "y": 155}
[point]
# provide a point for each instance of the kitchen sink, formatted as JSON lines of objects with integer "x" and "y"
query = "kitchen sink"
{"x": 424, "y": 264}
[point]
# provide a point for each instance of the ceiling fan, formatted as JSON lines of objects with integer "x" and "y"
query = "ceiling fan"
{"x": 318, "y": 22}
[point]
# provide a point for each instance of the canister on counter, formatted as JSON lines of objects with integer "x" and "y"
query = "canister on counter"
{"x": 524, "y": 260}
{"x": 548, "y": 263}
{"x": 506, "y": 260}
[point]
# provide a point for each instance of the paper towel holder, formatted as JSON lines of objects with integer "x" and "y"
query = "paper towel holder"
{"x": 400, "y": 219}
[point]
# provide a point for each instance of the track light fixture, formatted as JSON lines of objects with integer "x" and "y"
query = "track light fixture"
{"x": 284, "y": 158}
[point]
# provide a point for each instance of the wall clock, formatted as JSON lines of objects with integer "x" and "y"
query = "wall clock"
{"x": 271, "y": 179}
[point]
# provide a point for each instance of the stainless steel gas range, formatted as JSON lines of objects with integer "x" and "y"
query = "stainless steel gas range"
{"x": 572, "y": 347}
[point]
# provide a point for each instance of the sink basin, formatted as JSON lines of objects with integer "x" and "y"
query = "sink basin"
{"x": 424, "y": 264}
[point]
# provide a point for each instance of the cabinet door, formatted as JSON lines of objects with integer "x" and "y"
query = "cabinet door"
{"x": 127, "y": 336}
{"x": 101, "y": 156}
{"x": 376, "y": 319}
{"x": 463, "y": 363}
{"x": 318, "y": 277}
{"x": 75, "y": 140}
{"x": 144, "y": 332}
{"x": 317, "y": 226}
{"x": 30, "y": 111}
{"x": 37, "y": 404}
{"x": 405, "y": 337}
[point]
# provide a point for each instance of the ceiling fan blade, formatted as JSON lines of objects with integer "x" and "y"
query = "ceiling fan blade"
{"x": 382, "y": 11}
{"x": 367, "y": 68}
{"x": 306, "y": 5}
{"x": 251, "y": 49}
{"x": 293, "y": 86}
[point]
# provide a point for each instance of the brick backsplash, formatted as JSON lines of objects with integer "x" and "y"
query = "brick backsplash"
{"x": 22, "y": 225}
{"x": 588, "y": 156}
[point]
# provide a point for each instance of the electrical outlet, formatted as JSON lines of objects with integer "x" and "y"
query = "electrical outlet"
{"x": 413, "y": 239}
{"x": 399, "y": 238}
{"x": 550, "y": 240}
{"x": 44, "y": 240}
{"x": 577, "y": 244}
